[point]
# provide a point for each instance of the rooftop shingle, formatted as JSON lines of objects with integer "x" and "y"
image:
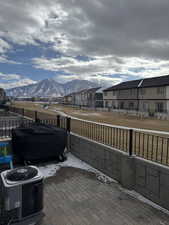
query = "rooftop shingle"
{"x": 141, "y": 83}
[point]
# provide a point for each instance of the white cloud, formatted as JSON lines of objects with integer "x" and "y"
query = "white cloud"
{"x": 9, "y": 76}
{"x": 121, "y": 28}
{"x": 100, "y": 68}
{"x": 96, "y": 70}
{"x": 125, "y": 37}
{"x": 100, "y": 80}
{"x": 101, "y": 65}
{"x": 4, "y": 59}
{"x": 4, "y": 46}
{"x": 14, "y": 80}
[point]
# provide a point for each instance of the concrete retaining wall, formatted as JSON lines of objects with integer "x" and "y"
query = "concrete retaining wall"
{"x": 115, "y": 164}
{"x": 147, "y": 178}
{"x": 152, "y": 181}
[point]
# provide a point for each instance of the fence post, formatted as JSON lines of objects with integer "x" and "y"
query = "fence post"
{"x": 68, "y": 119}
{"x": 68, "y": 128}
{"x": 58, "y": 120}
{"x": 130, "y": 142}
{"x": 36, "y": 117}
{"x": 23, "y": 112}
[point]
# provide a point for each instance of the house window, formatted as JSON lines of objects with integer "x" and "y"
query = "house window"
{"x": 105, "y": 93}
{"x": 142, "y": 91}
{"x": 106, "y": 104}
{"x": 113, "y": 93}
{"x": 160, "y": 90}
{"x": 131, "y": 105}
{"x": 113, "y": 104}
{"x": 160, "y": 107}
{"x": 145, "y": 106}
{"x": 132, "y": 91}
{"x": 121, "y": 105}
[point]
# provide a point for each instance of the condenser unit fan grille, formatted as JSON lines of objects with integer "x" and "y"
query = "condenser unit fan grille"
{"x": 21, "y": 174}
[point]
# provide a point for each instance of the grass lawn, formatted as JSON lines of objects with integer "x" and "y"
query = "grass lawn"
{"x": 147, "y": 145}
{"x": 112, "y": 118}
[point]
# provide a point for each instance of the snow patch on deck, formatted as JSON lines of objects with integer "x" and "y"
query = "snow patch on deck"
{"x": 49, "y": 170}
{"x": 72, "y": 161}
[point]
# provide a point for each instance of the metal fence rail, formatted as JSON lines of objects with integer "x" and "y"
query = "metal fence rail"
{"x": 151, "y": 147}
{"x": 115, "y": 137}
{"x": 7, "y": 125}
{"x": 25, "y": 118}
{"x": 147, "y": 145}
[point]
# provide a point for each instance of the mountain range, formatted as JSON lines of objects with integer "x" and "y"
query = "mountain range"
{"x": 50, "y": 88}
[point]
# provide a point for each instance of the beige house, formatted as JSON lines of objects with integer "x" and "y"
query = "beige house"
{"x": 150, "y": 95}
{"x": 92, "y": 97}
{"x": 67, "y": 100}
{"x": 79, "y": 98}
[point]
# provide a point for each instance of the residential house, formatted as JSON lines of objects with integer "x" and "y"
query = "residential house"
{"x": 89, "y": 98}
{"x": 79, "y": 98}
{"x": 94, "y": 97}
{"x": 67, "y": 99}
{"x": 99, "y": 98}
{"x": 145, "y": 95}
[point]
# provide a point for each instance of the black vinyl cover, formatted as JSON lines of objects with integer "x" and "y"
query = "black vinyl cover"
{"x": 38, "y": 142}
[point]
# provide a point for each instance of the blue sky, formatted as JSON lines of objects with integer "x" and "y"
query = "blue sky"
{"x": 106, "y": 42}
{"x": 24, "y": 55}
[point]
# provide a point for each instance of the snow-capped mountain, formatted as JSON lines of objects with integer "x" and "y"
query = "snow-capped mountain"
{"x": 50, "y": 88}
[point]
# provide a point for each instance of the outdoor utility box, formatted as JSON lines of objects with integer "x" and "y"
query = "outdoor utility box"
{"x": 38, "y": 142}
{"x": 21, "y": 196}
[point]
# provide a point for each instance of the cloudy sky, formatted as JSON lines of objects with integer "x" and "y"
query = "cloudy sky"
{"x": 105, "y": 40}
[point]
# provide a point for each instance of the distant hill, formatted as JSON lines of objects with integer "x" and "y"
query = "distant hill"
{"x": 50, "y": 88}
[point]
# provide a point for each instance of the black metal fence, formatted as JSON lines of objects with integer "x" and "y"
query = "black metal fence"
{"x": 108, "y": 135}
{"x": 18, "y": 117}
{"x": 150, "y": 146}
{"x": 7, "y": 125}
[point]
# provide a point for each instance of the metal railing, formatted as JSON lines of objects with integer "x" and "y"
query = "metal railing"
{"x": 25, "y": 118}
{"x": 112, "y": 136}
{"x": 6, "y": 126}
{"x": 151, "y": 147}
{"x": 145, "y": 144}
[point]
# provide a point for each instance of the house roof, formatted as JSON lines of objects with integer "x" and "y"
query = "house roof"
{"x": 100, "y": 90}
{"x": 156, "y": 81}
{"x": 93, "y": 89}
{"x": 75, "y": 93}
{"x": 69, "y": 95}
{"x": 84, "y": 91}
{"x": 141, "y": 83}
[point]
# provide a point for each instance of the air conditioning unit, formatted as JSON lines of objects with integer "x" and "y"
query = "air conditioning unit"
{"x": 22, "y": 196}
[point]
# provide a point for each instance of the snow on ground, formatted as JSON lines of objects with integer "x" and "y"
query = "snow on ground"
{"x": 51, "y": 169}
